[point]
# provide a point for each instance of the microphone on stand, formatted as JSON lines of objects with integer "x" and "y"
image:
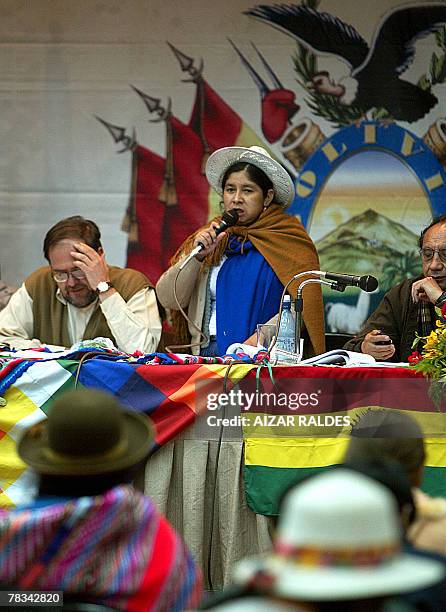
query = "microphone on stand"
{"x": 335, "y": 281}
{"x": 366, "y": 283}
{"x": 229, "y": 219}
{"x": 299, "y": 304}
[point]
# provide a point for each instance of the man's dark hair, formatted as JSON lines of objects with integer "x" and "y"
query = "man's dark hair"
{"x": 435, "y": 221}
{"x": 392, "y": 474}
{"x": 73, "y": 227}
{"x": 255, "y": 174}
{"x": 387, "y": 434}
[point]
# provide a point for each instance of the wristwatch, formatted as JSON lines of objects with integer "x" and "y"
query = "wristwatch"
{"x": 103, "y": 286}
{"x": 440, "y": 301}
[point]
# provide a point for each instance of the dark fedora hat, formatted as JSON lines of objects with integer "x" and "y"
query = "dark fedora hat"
{"x": 87, "y": 432}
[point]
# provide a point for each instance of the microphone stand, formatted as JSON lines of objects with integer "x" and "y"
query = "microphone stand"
{"x": 279, "y": 316}
{"x": 335, "y": 285}
{"x": 299, "y": 303}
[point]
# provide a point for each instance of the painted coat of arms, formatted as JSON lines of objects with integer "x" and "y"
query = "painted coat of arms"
{"x": 369, "y": 171}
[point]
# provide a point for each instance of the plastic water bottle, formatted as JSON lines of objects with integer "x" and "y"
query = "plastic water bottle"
{"x": 285, "y": 336}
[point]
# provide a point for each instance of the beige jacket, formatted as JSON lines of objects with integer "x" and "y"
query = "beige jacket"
{"x": 191, "y": 293}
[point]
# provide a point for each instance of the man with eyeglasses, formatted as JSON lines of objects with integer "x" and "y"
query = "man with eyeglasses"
{"x": 408, "y": 308}
{"x": 80, "y": 297}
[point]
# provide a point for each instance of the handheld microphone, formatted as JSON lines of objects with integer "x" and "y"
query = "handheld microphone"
{"x": 229, "y": 219}
{"x": 366, "y": 283}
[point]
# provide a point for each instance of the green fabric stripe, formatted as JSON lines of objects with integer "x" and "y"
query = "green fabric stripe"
{"x": 434, "y": 481}
{"x": 71, "y": 366}
{"x": 264, "y": 486}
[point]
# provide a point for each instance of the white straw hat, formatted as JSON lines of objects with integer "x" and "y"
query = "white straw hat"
{"x": 222, "y": 159}
{"x": 339, "y": 538}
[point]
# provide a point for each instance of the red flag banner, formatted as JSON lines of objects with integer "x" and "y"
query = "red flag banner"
{"x": 146, "y": 252}
{"x": 191, "y": 210}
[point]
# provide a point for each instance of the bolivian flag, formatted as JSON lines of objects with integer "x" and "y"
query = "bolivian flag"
{"x": 284, "y": 445}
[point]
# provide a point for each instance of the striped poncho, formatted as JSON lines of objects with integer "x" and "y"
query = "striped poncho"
{"x": 114, "y": 549}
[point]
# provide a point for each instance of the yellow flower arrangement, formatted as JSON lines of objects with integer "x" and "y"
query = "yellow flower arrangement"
{"x": 431, "y": 361}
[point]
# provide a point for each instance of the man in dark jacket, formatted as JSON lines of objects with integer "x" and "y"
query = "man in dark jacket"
{"x": 408, "y": 308}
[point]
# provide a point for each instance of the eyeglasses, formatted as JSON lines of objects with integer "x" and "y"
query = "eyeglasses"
{"x": 428, "y": 254}
{"x": 62, "y": 277}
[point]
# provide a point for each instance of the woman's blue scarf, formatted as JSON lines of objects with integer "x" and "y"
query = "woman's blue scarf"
{"x": 248, "y": 293}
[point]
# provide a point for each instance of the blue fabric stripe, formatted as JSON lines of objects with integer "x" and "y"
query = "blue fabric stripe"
{"x": 13, "y": 375}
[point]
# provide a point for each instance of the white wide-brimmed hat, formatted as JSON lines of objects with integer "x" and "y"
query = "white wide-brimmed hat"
{"x": 222, "y": 159}
{"x": 338, "y": 538}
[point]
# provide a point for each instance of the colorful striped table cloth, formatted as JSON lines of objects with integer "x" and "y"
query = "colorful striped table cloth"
{"x": 305, "y": 432}
{"x": 171, "y": 395}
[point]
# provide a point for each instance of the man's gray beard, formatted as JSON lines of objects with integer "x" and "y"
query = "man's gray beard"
{"x": 91, "y": 296}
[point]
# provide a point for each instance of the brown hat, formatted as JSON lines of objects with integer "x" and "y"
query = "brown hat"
{"x": 87, "y": 432}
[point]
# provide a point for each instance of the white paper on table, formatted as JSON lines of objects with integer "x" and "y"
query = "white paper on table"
{"x": 350, "y": 359}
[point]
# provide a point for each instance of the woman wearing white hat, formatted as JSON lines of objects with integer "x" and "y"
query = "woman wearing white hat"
{"x": 338, "y": 547}
{"x": 237, "y": 279}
